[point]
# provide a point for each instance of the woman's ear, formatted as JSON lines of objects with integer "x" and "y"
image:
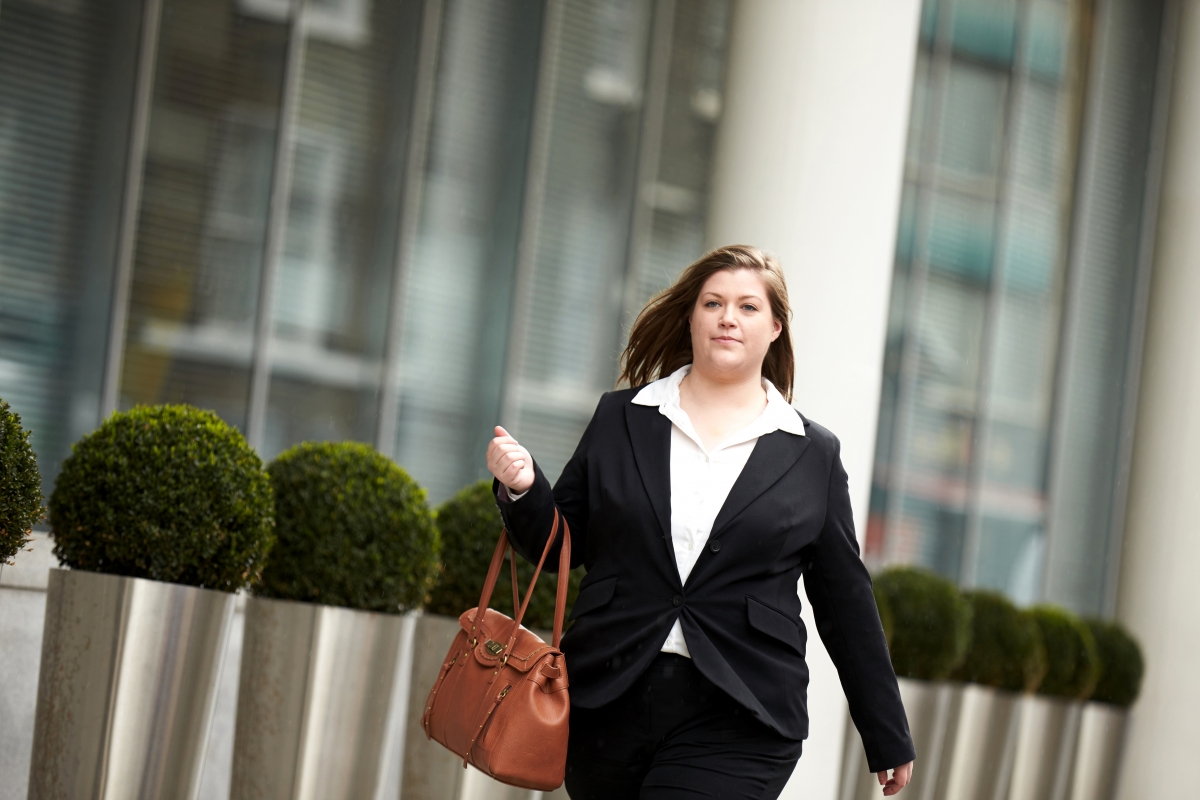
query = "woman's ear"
{"x": 778, "y": 330}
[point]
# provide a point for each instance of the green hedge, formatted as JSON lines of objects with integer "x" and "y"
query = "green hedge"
{"x": 20, "y": 485}
{"x": 470, "y": 525}
{"x": 931, "y": 622}
{"x": 1121, "y": 664}
{"x": 169, "y": 493}
{"x": 1073, "y": 663}
{"x": 354, "y": 530}
{"x": 1006, "y": 645}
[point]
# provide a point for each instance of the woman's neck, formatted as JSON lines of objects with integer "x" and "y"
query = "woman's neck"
{"x": 720, "y": 407}
{"x": 722, "y": 391}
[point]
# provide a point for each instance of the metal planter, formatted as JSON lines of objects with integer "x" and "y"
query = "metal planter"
{"x": 1045, "y": 748}
{"x": 980, "y": 740}
{"x": 1098, "y": 755}
{"x": 431, "y": 772}
{"x": 927, "y": 704}
{"x": 322, "y": 701}
{"x": 126, "y": 687}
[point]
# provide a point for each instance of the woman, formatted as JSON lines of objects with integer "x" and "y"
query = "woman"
{"x": 697, "y": 499}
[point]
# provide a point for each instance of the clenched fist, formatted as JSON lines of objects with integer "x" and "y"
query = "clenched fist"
{"x": 509, "y": 462}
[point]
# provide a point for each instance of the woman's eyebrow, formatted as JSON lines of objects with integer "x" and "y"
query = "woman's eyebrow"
{"x": 743, "y": 297}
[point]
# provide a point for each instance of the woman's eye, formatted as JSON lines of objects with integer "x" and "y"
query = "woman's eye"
{"x": 711, "y": 304}
{"x": 749, "y": 307}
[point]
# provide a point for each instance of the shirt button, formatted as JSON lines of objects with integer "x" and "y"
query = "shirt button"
{"x": 715, "y": 545}
{"x": 677, "y": 601}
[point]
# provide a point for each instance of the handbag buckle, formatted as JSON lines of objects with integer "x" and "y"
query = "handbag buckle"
{"x": 495, "y": 648}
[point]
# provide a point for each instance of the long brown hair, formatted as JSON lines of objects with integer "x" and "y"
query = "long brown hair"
{"x": 660, "y": 341}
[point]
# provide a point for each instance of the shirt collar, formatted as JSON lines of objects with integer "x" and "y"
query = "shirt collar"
{"x": 778, "y": 415}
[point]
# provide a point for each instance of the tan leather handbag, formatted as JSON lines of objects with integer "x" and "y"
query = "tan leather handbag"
{"x": 500, "y": 701}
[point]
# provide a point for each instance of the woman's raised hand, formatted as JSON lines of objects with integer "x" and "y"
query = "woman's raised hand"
{"x": 509, "y": 462}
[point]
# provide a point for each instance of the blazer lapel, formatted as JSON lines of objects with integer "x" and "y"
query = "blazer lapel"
{"x": 650, "y": 436}
{"x": 772, "y": 456}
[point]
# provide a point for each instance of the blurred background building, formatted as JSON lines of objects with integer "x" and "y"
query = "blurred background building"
{"x": 402, "y": 222}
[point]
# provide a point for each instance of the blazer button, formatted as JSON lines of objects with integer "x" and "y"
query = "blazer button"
{"x": 677, "y": 601}
{"x": 715, "y": 545}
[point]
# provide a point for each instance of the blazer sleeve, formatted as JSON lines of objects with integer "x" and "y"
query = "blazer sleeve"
{"x": 530, "y": 518}
{"x": 839, "y": 588}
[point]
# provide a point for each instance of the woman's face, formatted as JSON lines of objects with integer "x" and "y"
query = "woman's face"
{"x": 731, "y": 323}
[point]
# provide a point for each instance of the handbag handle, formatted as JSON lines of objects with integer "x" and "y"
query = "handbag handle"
{"x": 560, "y": 600}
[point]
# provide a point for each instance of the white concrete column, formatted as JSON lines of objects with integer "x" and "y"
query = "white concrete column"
{"x": 1161, "y": 552}
{"x": 809, "y": 162}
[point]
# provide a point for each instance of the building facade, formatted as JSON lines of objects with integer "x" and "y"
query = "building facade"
{"x": 404, "y": 222}
{"x": 390, "y": 222}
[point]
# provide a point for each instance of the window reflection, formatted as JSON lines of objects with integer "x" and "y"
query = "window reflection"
{"x": 335, "y": 274}
{"x": 991, "y": 392}
{"x": 205, "y": 192}
{"x": 459, "y": 290}
{"x": 586, "y": 277}
{"x": 471, "y": 205}
{"x": 64, "y": 127}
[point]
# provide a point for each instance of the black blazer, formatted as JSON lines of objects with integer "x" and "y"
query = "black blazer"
{"x": 788, "y": 514}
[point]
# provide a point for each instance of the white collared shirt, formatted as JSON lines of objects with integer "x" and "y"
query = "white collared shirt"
{"x": 700, "y": 479}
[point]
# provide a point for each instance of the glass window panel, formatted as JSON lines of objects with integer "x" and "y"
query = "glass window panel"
{"x": 961, "y": 235}
{"x": 1045, "y": 117}
{"x": 931, "y": 526}
{"x": 678, "y": 196}
{"x": 948, "y": 335}
{"x": 973, "y": 121}
{"x": 919, "y": 110}
{"x": 569, "y": 354}
{"x": 459, "y": 289}
{"x": 929, "y": 21}
{"x": 1046, "y": 51}
{"x": 1023, "y": 358}
{"x": 339, "y": 252}
{"x": 1084, "y": 518}
{"x": 66, "y": 90}
{"x": 1027, "y": 310}
{"x": 907, "y": 233}
{"x": 202, "y": 221}
{"x": 1010, "y": 557}
{"x": 986, "y": 29}
{"x": 1033, "y": 244}
{"x": 570, "y": 351}
{"x": 1024, "y": 483}
{"x": 935, "y": 440}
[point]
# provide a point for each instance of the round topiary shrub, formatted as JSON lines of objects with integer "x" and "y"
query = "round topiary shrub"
{"x": 20, "y": 485}
{"x": 470, "y": 525}
{"x": 169, "y": 493}
{"x": 931, "y": 623}
{"x": 353, "y": 528}
{"x": 1121, "y": 664}
{"x": 1072, "y": 661}
{"x": 1006, "y": 649}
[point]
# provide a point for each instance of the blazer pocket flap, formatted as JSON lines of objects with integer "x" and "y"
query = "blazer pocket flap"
{"x": 593, "y": 596}
{"x": 774, "y": 623}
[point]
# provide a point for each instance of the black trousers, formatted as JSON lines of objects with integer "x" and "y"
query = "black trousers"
{"x": 675, "y": 735}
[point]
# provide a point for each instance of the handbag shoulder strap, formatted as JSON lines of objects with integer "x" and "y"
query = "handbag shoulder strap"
{"x": 560, "y": 600}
